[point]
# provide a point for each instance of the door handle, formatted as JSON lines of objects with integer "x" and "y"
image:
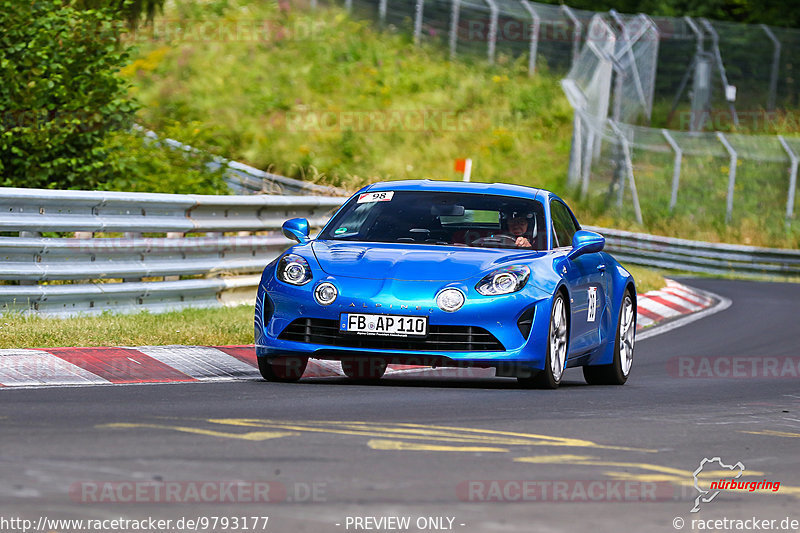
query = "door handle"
{"x": 601, "y": 268}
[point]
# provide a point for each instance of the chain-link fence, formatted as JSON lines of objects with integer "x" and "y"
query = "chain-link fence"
{"x": 626, "y": 72}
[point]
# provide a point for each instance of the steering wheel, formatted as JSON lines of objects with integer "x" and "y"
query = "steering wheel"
{"x": 504, "y": 241}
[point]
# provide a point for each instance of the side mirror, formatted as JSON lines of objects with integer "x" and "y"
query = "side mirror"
{"x": 586, "y": 242}
{"x": 296, "y": 229}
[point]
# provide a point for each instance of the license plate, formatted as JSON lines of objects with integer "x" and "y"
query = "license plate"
{"x": 390, "y": 325}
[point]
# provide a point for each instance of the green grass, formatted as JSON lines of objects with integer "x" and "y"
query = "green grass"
{"x": 202, "y": 327}
{"x": 347, "y": 105}
{"x": 646, "y": 279}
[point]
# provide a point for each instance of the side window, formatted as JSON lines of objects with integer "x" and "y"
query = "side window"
{"x": 563, "y": 224}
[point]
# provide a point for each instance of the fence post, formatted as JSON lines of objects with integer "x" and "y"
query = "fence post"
{"x": 626, "y": 149}
{"x": 382, "y": 11}
{"x": 715, "y": 40}
{"x": 578, "y": 31}
{"x": 731, "y": 174}
{"x": 574, "y": 170}
{"x": 586, "y": 164}
{"x": 654, "y": 67}
{"x": 676, "y": 169}
{"x": 313, "y": 5}
{"x": 492, "y": 37}
{"x": 454, "y": 27}
{"x": 792, "y": 179}
{"x": 776, "y": 59}
{"x": 535, "y": 26}
{"x": 419, "y": 7}
{"x": 348, "y": 5}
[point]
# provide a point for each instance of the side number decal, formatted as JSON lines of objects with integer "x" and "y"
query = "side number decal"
{"x": 592, "y": 303}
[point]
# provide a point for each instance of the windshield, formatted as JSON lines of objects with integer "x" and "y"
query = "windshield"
{"x": 444, "y": 218}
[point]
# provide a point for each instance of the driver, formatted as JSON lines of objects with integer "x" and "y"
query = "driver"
{"x": 518, "y": 224}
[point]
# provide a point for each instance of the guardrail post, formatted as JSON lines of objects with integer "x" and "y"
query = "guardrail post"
{"x": 731, "y": 174}
{"x": 492, "y": 37}
{"x": 454, "y": 14}
{"x": 792, "y": 179}
{"x": 578, "y": 31}
{"x": 626, "y": 149}
{"x": 175, "y": 235}
{"x": 776, "y": 61}
{"x": 30, "y": 235}
{"x": 420, "y": 6}
{"x": 676, "y": 169}
{"x": 132, "y": 236}
{"x": 382, "y": 11}
{"x": 534, "y": 46}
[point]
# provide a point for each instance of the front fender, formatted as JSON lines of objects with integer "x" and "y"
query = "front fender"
{"x": 619, "y": 279}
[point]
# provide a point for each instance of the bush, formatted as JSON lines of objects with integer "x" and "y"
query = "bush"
{"x": 60, "y": 95}
{"x": 145, "y": 165}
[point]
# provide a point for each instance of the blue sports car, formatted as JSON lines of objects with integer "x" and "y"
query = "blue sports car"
{"x": 448, "y": 274}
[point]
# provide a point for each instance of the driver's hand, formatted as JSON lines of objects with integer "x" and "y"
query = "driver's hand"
{"x": 523, "y": 242}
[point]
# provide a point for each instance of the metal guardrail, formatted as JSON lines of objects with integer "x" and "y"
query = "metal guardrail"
{"x": 244, "y": 179}
{"x": 128, "y": 251}
{"x": 699, "y": 256}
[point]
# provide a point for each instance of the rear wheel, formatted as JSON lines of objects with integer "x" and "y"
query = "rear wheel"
{"x": 617, "y": 372}
{"x": 285, "y": 369}
{"x": 364, "y": 368}
{"x": 550, "y": 376}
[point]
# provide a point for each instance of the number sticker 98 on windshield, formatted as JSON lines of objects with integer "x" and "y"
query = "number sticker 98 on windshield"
{"x": 390, "y": 325}
{"x": 367, "y": 197}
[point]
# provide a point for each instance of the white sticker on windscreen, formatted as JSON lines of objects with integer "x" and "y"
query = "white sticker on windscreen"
{"x": 367, "y": 197}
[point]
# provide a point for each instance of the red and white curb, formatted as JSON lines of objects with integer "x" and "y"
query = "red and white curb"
{"x": 673, "y": 305}
{"x": 674, "y": 300}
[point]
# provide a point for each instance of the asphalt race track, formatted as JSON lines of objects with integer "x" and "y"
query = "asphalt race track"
{"x": 320, "y": 451}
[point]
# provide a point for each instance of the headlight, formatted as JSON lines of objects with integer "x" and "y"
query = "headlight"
{"x": 294, "y": 270}
{"x": 325, "y": 293}
{"x": 450, "y": 300}
{"x": 504, "y": 280}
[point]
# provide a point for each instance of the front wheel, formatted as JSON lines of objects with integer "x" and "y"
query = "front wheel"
{"x": 617, "y": 372}
{"x": 284, "y": 369}
{"x": 550, "y": 376}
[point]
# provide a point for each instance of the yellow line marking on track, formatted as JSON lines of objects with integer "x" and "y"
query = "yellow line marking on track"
{"x": 423, "y": 432}
{"x": 772, "y": 433}
{"x": 556, "y": 459}
{"x": 253, "y": 435}
{"x": 397, "y": 445}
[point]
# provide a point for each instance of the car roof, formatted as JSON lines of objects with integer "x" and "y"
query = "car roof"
{"x": 504, "y": 189}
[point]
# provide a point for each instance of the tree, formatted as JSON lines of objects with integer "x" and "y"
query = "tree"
{"x": 60, "y": 94}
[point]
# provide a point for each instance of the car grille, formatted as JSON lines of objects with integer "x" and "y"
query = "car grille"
{"x": 439, "y": 339}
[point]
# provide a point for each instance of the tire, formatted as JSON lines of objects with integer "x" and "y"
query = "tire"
{"x": 618, "y": 371}
{"x": 364, "y": 368}
{"x": 550, "y": 376}
{"x": 282, "y": 369}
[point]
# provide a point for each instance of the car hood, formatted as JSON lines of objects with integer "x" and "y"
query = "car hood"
{"x": 412, "y": 262}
